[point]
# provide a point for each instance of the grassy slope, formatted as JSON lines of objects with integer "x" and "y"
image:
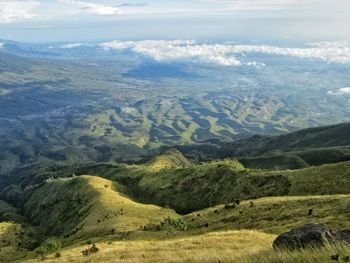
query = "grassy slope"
{"x": 276, "y": 161}
{"x": 315, "y": 146}
{"x": 243, "y": 234}
{"x": 207, "y": 184}
{"x": 219, "y": 182}
{"x": 170, "y": 159}
{"x": 87, "y": 206}
{"x": 80, "y": 202}
{"x": 210, "y": 247}
{"x": 330, "y": 136}
{"x": 198, "y": 186}
{"x": 16, "y": 235}
{"x": 275, "y": 214}
{"x": 319, "y": 180}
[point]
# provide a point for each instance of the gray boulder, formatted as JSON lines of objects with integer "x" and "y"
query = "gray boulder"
{"x": 344, "y": 236}
{"x": 309, "y": 235}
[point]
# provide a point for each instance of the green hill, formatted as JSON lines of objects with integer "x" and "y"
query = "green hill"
{"x": 126, "y": 210}
{"x": 274, "y": 214}
{"x": 295, "y": 150}
{"x": 198, "y": 186}
{"x": 170, "y": 159}
{"x": 77, "y": 210}
{"x": 329, "y": 136}
{"x": 87, "y": 206}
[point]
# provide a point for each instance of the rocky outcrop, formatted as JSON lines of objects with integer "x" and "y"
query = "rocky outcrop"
{"x": 309, "y": 235}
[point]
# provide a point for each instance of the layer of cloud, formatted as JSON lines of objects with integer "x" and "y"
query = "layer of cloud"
{"x": 226, "y": 54}
{"x": 75, "y": 45}
{"x": 13, "y": 11}
{"x": 177, "y": 50}
{"x": 338, "y": 52}
{"x": 340, "y": 92}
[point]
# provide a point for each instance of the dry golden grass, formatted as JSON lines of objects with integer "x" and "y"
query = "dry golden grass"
{"x": 226, "y": 246}
{"x": 133, "y": 216}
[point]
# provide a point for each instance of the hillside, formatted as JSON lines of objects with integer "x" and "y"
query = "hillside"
{"x": 231, "y": 234}
{"x": 228, "y": 202}
{"x": 128, "y": 210}
{"x": 88, "y": 206}
{"x": 274, "y": 214}
{"x": 170, "y": 159}
{"x": 198, "y": 186}
{"x": 314, "y": 146}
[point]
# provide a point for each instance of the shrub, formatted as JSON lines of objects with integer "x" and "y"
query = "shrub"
{"x": 90, "y": 250}
{"x": 172, "y": 224}
{"x": 48, "y": 246}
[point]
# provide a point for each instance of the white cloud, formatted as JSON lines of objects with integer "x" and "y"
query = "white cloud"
{"x": 13, "y": 11}
{"x": 226, "y": 54}
{"x": 75, "y": 45}
{"x": 86, "y": 7}
{"x": 162, "y": 50}
{"x": 340, "y": 92}
{"x": 1, "y": 45}
{"x": 336, "y": 52}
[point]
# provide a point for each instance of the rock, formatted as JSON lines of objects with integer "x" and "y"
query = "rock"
{"x": 309, "y": 235}
{"x": 343, "y": 236}
{"x": 335, "y": 257}
{"x": 230, "y": 206}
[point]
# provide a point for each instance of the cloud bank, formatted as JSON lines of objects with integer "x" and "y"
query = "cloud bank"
{"x": 227, "y": 54}
{"x": 230, "y": 54}
{"x": 177, "y": 50}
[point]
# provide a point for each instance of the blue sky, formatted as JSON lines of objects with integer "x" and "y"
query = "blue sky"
{"x": 85, "y": 20}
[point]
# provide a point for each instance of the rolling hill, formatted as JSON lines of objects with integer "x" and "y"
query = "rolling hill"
{"x": 115, "y": 211}
{"x": 86, "y": 104}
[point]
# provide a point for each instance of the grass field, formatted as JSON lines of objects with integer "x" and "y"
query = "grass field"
{"x": 230, "y": 247}
{"x": 211, "y": 247}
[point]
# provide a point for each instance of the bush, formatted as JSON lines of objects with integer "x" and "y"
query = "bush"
{"x": 48, "y": 246}
{"x": 172, "y": 224}
{"x": 90, "y": 250}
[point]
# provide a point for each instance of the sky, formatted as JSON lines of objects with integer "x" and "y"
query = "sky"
{"x": 211, "y": 20}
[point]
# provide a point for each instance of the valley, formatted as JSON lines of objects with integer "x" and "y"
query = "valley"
{"x": 59, "y": 102}
{"x": 109, "y": 154}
